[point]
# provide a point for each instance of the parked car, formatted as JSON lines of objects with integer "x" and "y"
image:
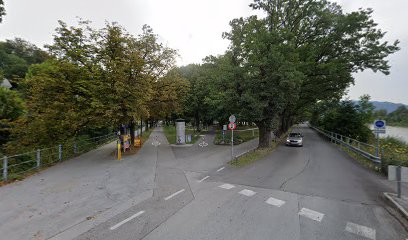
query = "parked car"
{"x": 294, "y": 139}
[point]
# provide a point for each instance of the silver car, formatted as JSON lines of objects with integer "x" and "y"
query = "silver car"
{"x": 295, "y": 139}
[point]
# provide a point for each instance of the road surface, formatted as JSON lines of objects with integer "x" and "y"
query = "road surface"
{"x": 313, "y": 192}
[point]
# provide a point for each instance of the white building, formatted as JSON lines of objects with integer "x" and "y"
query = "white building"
{"x": 6, "y": 83}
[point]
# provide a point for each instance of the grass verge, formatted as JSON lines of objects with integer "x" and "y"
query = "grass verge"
{"x": 241, "y": 135}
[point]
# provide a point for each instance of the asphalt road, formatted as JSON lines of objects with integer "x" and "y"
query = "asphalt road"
{"x": 310, "y": 192}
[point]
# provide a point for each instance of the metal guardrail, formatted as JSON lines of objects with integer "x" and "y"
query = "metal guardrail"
{"x": 12, "y": 167}
{"x": 366, "y": 150}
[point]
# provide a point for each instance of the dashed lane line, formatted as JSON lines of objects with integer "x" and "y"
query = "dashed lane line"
{"x": 227, "y": 186}
{"x": 174, "y": 194}
{"x": 203, "y": 179}
{"x": 247, "y": 192}
{"x": 220, "y": 169}
{"x": 360, "y": 230}
{"x": 127, "y": 220}
{"x": 275, "y": 202}
{"x": 316, "y": 216}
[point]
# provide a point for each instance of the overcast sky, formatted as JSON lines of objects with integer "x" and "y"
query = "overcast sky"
{"x": 194, "y": 27}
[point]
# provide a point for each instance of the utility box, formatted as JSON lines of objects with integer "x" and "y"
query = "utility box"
{"x": 180, "y": 131}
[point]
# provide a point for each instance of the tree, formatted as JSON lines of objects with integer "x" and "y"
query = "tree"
{"x": 16, "y": 56}
{"x": 300, "y": 53}
{"x": 2, "y": 10}
{"x": 11, "y": 108}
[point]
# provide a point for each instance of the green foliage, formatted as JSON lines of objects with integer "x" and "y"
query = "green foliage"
{"x": 2, "y": 10}
{"x": 300, "y": 53}
{"x": 399, "y": 117}
{"x": 11, "y": 108}
{"x": 344, "y": 118}
{"x": 16, "y": 56}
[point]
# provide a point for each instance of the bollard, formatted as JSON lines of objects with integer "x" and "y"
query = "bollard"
{"x": 253, "y": 132}
{"x": 399, "y": 181}
{"x": 38, "y": 158}
{"x": 119, "y": 152}
{"x": 75, "y": 148}
{"x": 5, "y": 166}
{"x": 60, "y": 152}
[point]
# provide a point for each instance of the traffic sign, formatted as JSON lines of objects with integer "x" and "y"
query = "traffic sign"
{"x": 232, "y": 126}
{"x": 232, "y": 118}
{"x": 379, "y": 124}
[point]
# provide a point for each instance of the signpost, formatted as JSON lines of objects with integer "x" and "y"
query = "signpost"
{"x": 399, "y": 174}
{"x": 379, "y": 128}
{"x": 232, "y": 126}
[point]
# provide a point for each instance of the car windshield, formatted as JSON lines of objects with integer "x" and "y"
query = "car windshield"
{"x": 295, "y": 135}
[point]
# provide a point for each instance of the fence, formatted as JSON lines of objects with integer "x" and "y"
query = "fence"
{"x": 16, "y": 166}
{"x": 366, "y": 150}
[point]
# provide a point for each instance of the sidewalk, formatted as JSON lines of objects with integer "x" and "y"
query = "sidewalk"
{"x": 76, "y": 191}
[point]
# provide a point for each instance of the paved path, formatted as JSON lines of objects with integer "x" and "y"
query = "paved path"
{"x": 314, "y": 192}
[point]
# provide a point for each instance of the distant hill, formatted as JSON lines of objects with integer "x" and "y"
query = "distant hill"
{"x": 389, "y": 106}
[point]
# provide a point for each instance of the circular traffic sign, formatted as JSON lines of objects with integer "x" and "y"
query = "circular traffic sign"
{"x": 232, "y": 126}
{"x": 232, "y": 118}
{"x": 379, "y": 123}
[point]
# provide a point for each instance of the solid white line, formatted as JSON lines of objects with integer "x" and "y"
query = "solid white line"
{"x": 360, "y": 230}
{"x": 203, "y": 179}
{"x": 275, "y": 202}
{"x": 247, "y": 192}
{"x": 127, "y": 220}
{"x": 220, "y": 169}
{"x": 311, "y": 214}
{"x": 227, "y": 186}
{"x": 174, "y": 194}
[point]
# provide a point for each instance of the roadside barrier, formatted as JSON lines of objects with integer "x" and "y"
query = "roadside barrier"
{"x": 366, "y": 150}
{"x": 16, "y": 166}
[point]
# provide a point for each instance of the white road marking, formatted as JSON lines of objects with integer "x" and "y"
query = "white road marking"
{"x": 311, "y": 214}
{"x": 360, "y": 230}
{"x": 127, "y": 220}
{"x": 227, "y": 186}
{"x": 220, "y": 169}
{"x": 203, "y": 179}
{"x": 275, "y": 202}
{"x": 174, "y": 194}
{"x": 247, "y": 192}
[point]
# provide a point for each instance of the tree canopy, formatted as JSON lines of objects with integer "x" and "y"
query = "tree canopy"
{"x": 300, "y": 53}
{"x": 2, "y": 10}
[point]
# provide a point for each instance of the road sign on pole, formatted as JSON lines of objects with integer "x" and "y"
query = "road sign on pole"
{"x": 379, "y": 127}
{"x": 232, "y": 126}
{"x": 232, "y": 118}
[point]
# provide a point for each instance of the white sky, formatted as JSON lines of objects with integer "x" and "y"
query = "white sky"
{"x": 194, "y": 27}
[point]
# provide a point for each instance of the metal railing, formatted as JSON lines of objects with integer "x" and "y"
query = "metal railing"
{"x": 16, "y": 166}
{"x": 366, "y": 150}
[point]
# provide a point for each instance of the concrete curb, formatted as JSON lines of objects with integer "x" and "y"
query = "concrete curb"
{"x": 395, "y": 205}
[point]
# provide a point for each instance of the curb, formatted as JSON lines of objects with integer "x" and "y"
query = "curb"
{"x": 395, "y": 205}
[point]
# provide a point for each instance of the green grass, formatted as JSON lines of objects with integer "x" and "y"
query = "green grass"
{"x": 239, "y": 136}
{"x": 170, "y": 132}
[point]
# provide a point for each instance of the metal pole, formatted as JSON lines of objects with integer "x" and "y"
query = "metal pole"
{"x": 5, "y": 166}
{"x": 399, "y": 181}
{"x": 232, "y": 144}
{"x": 38, "y": 158}
{"x": 378, "y": 145}
{"x": 60, "y": 152}
{"x": 75, "y": 148}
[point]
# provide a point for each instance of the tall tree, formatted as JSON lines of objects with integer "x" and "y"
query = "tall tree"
{"x": 301, "y": 52}
{"x": 2, "y": 10}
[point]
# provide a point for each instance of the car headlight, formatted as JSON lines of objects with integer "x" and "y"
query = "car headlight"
{"x": 287, "y": 140}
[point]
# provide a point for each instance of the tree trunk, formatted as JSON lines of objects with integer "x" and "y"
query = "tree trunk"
{"x": 197, "y": 121}
{"x": 265, "y": 137}
{"x": 147, "y": 124}
{"x": 141, "y": 127}
{"x": 132, "y": 126}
